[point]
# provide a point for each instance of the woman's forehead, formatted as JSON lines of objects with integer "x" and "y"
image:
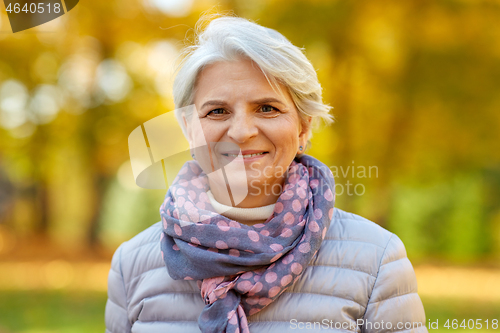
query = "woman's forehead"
{"x": 230, "y": 79}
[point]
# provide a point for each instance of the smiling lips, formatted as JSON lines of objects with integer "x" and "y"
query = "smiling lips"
{"x": 248, "y": 155}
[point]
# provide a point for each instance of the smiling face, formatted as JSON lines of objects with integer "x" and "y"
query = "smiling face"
{"x": 239, "y": 110}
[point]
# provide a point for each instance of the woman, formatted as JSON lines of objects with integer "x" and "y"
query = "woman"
{"x": 250, "y": 221}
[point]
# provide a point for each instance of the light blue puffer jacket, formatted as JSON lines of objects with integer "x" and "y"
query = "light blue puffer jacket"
{"x": 359, "y": 281}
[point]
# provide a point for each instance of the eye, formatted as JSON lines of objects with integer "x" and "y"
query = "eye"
{"x": 268, "y": 109}
{"x": 216, "y": 112}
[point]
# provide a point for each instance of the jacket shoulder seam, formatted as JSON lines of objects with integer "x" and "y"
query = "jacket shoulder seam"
{"x": 378, "y": 272}
{"x": 127, "y": 301}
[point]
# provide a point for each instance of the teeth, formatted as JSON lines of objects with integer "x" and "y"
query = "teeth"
{"x": 245, "y": 156}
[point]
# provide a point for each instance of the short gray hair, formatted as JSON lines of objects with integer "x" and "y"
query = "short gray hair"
{"x": 229, "y": 38}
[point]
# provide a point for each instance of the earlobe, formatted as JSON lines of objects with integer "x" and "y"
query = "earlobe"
{"x": 302, "y": 144}
{"x": 304, "y": 135}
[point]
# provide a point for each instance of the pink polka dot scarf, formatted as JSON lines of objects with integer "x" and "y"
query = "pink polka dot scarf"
{"x": 241, "y": 269}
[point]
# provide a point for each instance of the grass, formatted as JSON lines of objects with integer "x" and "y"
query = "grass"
{"x": 51, "y": 312}
{"x": 83, "y": 312}
{"x": 444, "y": 309}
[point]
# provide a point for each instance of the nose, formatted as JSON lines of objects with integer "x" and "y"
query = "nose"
{"x": 242, "y": 127}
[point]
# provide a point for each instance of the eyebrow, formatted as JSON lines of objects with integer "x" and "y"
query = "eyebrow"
{"x": 257, "y": 101}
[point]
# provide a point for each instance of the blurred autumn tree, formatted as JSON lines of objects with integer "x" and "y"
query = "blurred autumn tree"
{"x": 414, "y": 85}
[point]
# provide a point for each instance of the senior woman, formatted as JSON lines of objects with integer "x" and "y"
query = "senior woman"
{"x": 280, "y": 257}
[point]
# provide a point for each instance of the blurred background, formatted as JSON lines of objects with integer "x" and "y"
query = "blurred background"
{"x": 415, "y": 87}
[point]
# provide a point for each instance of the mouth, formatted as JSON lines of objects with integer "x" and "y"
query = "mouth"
{"x": 246, "y": 154}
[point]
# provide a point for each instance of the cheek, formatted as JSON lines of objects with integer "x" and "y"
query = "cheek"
{"x": 290, "y": 146}
{"x": 208, "y": 132}
{"x": 284, "y": 135}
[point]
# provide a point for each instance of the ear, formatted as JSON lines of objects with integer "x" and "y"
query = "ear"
{"x": 304, "y": 132}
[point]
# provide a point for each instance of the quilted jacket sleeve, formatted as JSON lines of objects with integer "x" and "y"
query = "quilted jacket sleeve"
{"x": 394, "y": 304}
{"x": 116, "y": 306}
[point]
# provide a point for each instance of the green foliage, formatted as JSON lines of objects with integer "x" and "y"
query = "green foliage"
{"x": 441, "y": 310}
{"x": 441, "y": 220}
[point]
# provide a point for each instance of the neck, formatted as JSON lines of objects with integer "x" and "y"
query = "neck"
{"x": 258, "y": 196}
{"x": 248, "y": 216}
